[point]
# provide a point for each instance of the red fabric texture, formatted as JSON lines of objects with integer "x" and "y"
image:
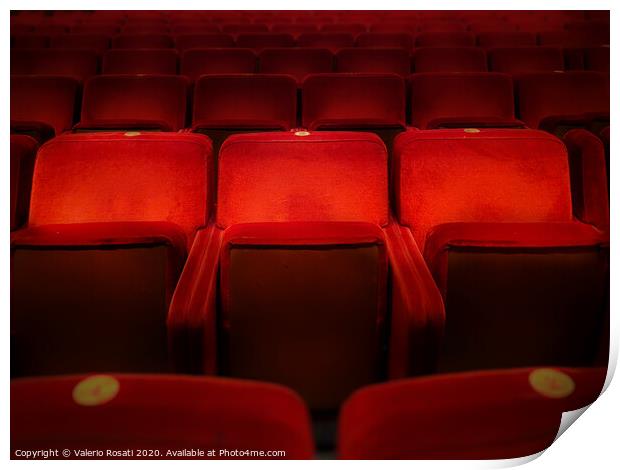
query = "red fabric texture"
{"x": 352, "y": 28}
{"x": 548, "y": 99}
{"x": 486, "y": 176}
{"x": 29, "y": 41}
{"x": 79, "y": 64}
{"x": 479, "y": 415}
{"x": 588, "y": 177}
{"x": 330, "y": 176}
{"x": 134, "y": 102}
{"x": 298, "y": 62}
{"x": 23, "y": 151}
{"x": 187, "y": 41}
{"x": 43, "y": 101}
{"x": 331, "y": 41}
{"x": 597, "y": 59}
{"x": 103, "y": 177}
{"x": 140, "y": 61}
{"x": 574, "y": 38}
{"x": 259, "y": 41}
{"x": 462, "y": 100}
{"x": 526, "y": 59}
{"x": 244, "y": 28}
{"x": 449, "y": 59}
{"x": 441, "y": 26}
{"x": 190, "y": 412}
{"x": 373, "y": 60}
{"x": 387, "y": 39}
{"x": 142, "y": 41}
{"x": 88, "y": 40}
{"x": 506, "y": 39}
{"x": 245, "y": 101}
{"x": 197, "y": 62}
{"x": 340, "y": 101}
{"x": 294, "y": 29}
{"x": 445, "y": 39}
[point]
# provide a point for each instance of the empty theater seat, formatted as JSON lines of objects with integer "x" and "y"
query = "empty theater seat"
{"x": 97, "y": 42}
{"x": 23, "y": 151}
{"x": 355, "y": 102}
{"x": 446, "y": 39}
{"x": 466, "y": 197}
{"x": 498, "y": 414}
{"x": 519, "y": 60}
{"x": 298, "y": 62}
{"x": 372, "y": 60}
{"x": 109, "y": 413}
{"x": 119, "y": 102}
{"x": 556, "y": 102}
{"x": 80, "y": 64}
{"x": 184, "y": 42}
{"x": 462, "y": 100}
{"x": 226, "y": 104}
{"x": 259, "y": 41}
{"x": 506, "y": 39}
{"x": 140, "y": 61}
{"x": 142, "y": 41}
{"x": 306, "y": 263}
{"x": 401, "y": 40}
{"x": 42, "y": 106}
{"x": 197, "y": 62}
{"x": 128, "y": 205}
{"x": 449, "y": 59}
{"x": 331, "y": 41}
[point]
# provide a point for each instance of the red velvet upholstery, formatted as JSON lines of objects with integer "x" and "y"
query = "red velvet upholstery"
{"x": 373, "y": 60}
{"x": 189, "y": 412}
{"x": 549, "y": 100}
{"x": 193, "y": 41}
{"x": 142, "y": 41}
{"x": 445, "y": 39}
{"x": 29, "y": 41}
{"x": 597, "y": 59}
{"x": 244, "y": 28}
{"x": 298, "y": 62}
{"x": 506, "y": 39}
{"x": 314, "y": 191}
{"x": 479, "y": 415}
{"x": 134, "y": 102}
{"x": 88, "y": 40}
{"x": 245, "y": 102}
{"x": 43, "y": 106}
{"x": 441, "y": 26}
{"x": 486, "y": 176}
{"x": 331, "y": 41}
{"x": 390, "y": 27}
{"x": 517, "y": 60}
{"x": 449, "y": 59}
{"x": 260, "y": 41}
{"x": 574, "y": 38}
{"x": 462, "y": 100}
{"x": 140, "y": 61}
{"x": 23, "y": 151}
{"x": 351, "y": 28}
{"x": 389, "y": 39}
{"x": 197, "y": 62}
{"x": 294, "y": 29}
{"x": 80, "y": 64}
{"x": 341, "y": 101}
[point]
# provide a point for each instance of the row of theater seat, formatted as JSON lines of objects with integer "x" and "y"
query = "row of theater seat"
{"x": 303, "y": 224}
{"x": 333, "y": 41}
{"x": 498, "y": 414}
{"x": 301, "y": 62}
{"x": 45, "y": 105}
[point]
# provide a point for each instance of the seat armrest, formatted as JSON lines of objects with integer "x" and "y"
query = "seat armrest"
{"x": 418, "y": 314}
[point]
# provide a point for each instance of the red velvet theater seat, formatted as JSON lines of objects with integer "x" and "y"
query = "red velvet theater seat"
{"x": 142, "y": 41}
{"x": 228, "y": 104}
{"x": 401, "y": 40}
{"x": 499, "y": 414}
{"x": 140, "y": 61}
{"x": 42, "y": 106}
{"x": 441, "y": 26}
{"x": 446, "y": 39}
{"x": 119, "y": 412}
{"x": 112, "y": 217}
{"x": 29, "y": 41}
{"x": 302, "y": 260}
{"x": 184, "y": 42}
{"x": 96, "y": 42}
{"x": 331, "y": 41}
{"x": 213, "y": 61}
{"x": 297, "y": 62}
{"x": 574, "y": 38}
{"x": 373, "y": 60}
{"x": 462, "y": 100}
{"x": 556, "y": 102}
{"x": 244, "y": 28}
{"x": 466, "y": 196}
{"x": 80, "y": 64}
{"x": 145, "y": 102}
{"x": 351, "y": 28}
{"x": 260, "y": 41}
{"x": 597, "y": 59}
{"x": 294, "y": 29}
{"x": 194, "y": 28}
{"x": 23, "y": 151}
{"x": 449, "y": 59}
{"x": 371, "y": 102}
{"x": 519, "y": 60}
{"x": 506, "y": 39}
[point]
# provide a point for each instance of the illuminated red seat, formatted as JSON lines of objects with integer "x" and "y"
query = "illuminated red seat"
{"x": 260, "y": 41}
{"x": 462, "y": 100}
{"x": 466, "y": 196}
{"x": 43, "y": 106}
{"x": 298, "y": 62}
{"x": 449, "y": 59}
{"x": 23, "y": 151}
{"x": 120, "y": 102}
{"x": 142, "y": 41}
{"x": 114, "y": 413}
{"x": 79, "y": 64}
{"x": 127, "y": 204}
{"x": 506, "y": 39}
{"x": 373, "y": 60}
{"x": 197, "y": 62}
{"x": 97, "y": 42}
{"x": 140, "y": 61}
{"x": 184, "y": 42}
{"x": 500, "y": 414}
{"x": 401, "y": 40}
{"x": 331, "y": 41}
{"x": 302, "y": 258}
{"x": 518, "y": 60}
